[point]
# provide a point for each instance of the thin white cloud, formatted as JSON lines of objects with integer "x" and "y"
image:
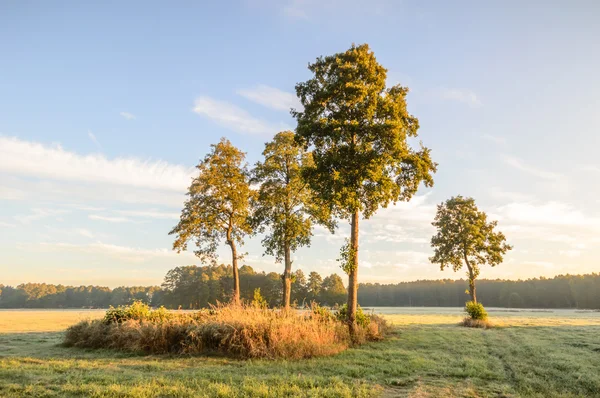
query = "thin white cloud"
{"x": 89, "y": 197}
{"x": 271, "y": 97}
{"x": 94, "y": 139}
{"x": 590, "y": 168}
{"x": 570, "y": 253}
{"x": 494, "y": 138}
{"x": 149, "y": 214}
{"x": 127, "y": 115}
{"x": 124, "y": 253}
{"x": 7, "y": 224}
{"x": 53, "y": 162}
{"x": 549, "y": 213}
{"x": 85, "y": 207}
{"x": 504, "y": 195}
{"x": 109, "y": 218}
{"x": 234, "y": 117}
{"x": 40, "y": 213}
{"x": 84, "y": 232}
{"x": 520, "y": 165}
{"x": 465, "y": 96}
{"x": 11, "y": 192}
{"x": 310, "y": 9}
{"x": 543, "y": 264}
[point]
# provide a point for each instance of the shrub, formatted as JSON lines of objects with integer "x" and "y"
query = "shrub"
{"x": 476, "y": 323}
{"x": 136, "y": 311}
{"x": 476, "y": 311}
{"x": 258, "y": 300}
{"x": 240, "y": 331}
{"x": 363, "y": 320}
{"x": 318, "y": 312}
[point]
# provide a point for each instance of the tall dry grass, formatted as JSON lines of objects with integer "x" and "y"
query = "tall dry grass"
{"x": 240, "y": 331}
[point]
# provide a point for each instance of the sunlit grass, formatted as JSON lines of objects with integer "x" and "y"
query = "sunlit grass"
{"x": 548, "y": 355}
{"x": 20, "y": 321}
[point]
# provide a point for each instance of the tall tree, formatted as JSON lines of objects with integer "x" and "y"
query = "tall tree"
{"x": 284, "y": 203}
{"x": 464, "y": 236}
{"x": 218, "y": 207}
{"x": 358, "y": 130}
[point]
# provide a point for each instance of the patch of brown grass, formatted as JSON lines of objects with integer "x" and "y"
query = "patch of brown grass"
{"x": 239, "y": 331}
{"x": 476, "y": 323}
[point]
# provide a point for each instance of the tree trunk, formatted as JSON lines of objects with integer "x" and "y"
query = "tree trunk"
{"x": 471, "y": 280}
{"x": 353, "y": 276}
{"x": 472, "y": 289}
{"x": 235, "y": 299}
{"x": 287, "y": 278}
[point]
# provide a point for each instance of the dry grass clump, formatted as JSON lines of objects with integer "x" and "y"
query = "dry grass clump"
{"x": 242, "y": 331}
{"x": 476, "y": 323}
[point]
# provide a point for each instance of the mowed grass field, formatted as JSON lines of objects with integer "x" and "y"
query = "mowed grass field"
{"x": 541, "y": 354}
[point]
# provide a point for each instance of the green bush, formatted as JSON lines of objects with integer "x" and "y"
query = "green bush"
{"x": 259, "y": 301}
{"x": 320, "y": 312}
{"x": 476, "y": 311}
{"x": 137, "y": 311}
{"x": 362, "y": 319}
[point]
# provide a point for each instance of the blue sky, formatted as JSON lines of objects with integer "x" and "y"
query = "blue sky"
{"x": 105, "y": 108}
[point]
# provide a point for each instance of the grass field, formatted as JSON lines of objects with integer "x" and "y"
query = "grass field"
{"x": 543, "y": 354}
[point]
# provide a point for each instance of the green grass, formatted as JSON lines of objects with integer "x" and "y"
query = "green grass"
{"x": 427, "y": 355}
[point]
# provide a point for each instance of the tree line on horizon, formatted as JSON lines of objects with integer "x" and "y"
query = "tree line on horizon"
{"x": 194, "y": 287}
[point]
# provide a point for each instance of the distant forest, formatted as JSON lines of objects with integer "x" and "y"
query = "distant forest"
{"x": 193, "y": 287}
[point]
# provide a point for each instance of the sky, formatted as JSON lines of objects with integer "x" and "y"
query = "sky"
{"x": 106, "y": 107}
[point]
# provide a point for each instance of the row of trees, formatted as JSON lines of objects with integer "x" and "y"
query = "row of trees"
{"x": 43, "y": 295}
{"x": 193, "y": 287}
{"x": 349, "y": 156}
{"x": 187, "y": 287}
{"x": 564, "y": 291}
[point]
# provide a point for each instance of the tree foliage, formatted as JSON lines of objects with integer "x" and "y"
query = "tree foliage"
{"x": 465, "y": 237}
{"x": 218, "y": 207}
{"x": 357, "y": 129}
{"x": 284, "y": 208}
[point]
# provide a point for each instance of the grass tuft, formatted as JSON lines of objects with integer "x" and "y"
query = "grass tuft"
{"x": 476, "y": 323}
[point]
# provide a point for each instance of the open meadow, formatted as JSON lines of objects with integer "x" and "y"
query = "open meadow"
{"x": 533, "y": 353}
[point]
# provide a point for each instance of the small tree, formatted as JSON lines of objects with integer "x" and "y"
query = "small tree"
{"x": 314, "y": 286}
{"x": 285, "y": 203}
{"x": 299, "y": 287}
{"x": 218, "y": 207}
{"x": 466, "y": 237}
{"x": 333, "y": 290}
{"x": 358, "y": 130}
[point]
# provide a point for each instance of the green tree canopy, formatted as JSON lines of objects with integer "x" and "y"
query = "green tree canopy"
{"x": 464, "y": 236}
{"x": 284, "y": 203}
{"x": 218, "y": 207}
{"x": 333, "y": 291}
{"x": 314, "y": 285}
{"x": 357, "y": 129}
